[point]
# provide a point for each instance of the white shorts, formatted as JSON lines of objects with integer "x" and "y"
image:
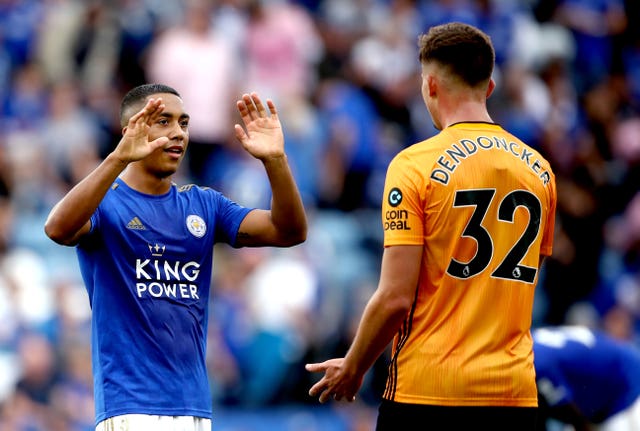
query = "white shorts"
{"x": 136, "y": 422}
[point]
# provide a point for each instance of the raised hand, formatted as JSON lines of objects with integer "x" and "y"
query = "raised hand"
{"x": 135, "y": 144}
{"x": 263, "y": 137}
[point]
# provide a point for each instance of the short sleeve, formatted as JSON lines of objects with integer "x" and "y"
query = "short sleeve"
{"x": 228, "y": 217}
{"x": 403, "y": 204}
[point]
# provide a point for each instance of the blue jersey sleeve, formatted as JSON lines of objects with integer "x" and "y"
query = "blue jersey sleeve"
{"x": 229, "y": 216}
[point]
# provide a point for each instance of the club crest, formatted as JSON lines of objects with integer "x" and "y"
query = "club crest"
{"x": 196, "y": 225}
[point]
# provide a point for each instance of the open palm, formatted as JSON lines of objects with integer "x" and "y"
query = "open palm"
{"x": 263, "y": 137}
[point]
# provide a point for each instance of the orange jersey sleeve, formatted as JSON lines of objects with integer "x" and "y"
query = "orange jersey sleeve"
{"x": 482, "y": 204}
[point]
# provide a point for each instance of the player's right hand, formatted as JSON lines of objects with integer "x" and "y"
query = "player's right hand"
{"x": 135, "y": 144}
{"x": 337, "y": 382}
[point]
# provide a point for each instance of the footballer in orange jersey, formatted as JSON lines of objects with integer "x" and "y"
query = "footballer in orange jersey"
{"x": 468, "y": 216}
{"x": 481, "y": 204}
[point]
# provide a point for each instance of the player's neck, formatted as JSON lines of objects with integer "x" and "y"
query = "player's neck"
{"x": 144, "y": 182}
{"x": 462, "y": 105}
{"x": 460, "y": 111}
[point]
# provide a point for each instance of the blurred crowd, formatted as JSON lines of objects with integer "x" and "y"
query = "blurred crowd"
{"x": 345, "y": 77}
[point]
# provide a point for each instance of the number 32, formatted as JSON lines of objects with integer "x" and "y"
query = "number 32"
{"x": 510, "y": 268}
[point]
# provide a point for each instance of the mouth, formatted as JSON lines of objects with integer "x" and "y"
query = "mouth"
{"x": 174, "y": 151}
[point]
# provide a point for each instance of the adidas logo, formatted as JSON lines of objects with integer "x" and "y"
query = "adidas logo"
{"x": 135, "y": 224}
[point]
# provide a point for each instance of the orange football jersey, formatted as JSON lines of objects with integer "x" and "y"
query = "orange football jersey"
{"x": 482, "y": 204}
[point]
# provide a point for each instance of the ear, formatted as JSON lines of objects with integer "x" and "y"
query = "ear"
{"x": 432, "y": 85}
{"x": 491, "y": 87}
{"x": 124, "y": 130}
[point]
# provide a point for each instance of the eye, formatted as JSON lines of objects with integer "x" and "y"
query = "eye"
{"x": 184, "y": 124}
{"x": 163, "y": 121}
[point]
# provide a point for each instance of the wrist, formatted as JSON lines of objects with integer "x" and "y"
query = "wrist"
{"x": 275, "y": 160}
{"x": 114, "y": 159}
{"x": 351, "y": 367}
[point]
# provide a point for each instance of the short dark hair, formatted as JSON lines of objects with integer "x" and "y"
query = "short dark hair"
{"x": 464, "y": 49}
{"x": 136, "y": 97}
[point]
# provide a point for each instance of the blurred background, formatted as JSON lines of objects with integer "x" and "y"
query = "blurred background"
{"x": 345, "y": 77}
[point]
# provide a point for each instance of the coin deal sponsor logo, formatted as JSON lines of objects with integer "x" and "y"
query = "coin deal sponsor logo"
{"x": 395, "y": 197}
{"x": 396, "y": 220}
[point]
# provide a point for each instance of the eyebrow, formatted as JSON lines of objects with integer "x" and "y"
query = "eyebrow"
{"x": 182, "y": 116}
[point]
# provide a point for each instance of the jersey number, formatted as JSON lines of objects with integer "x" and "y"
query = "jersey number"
{"x": 510, "y": 268}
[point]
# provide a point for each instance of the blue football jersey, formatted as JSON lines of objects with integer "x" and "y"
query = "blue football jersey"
{"x": 599, "y": 374}
{"x": 147, "y": 268}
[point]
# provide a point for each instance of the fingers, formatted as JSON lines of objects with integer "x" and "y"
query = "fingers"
{"x": 259, "y": 107}
{"x": 314, "y": 368}
{"x": 323, "y": 390}
{"x": 325, "y": 396}
{"x": 240, "y": 133}
{"x": 252, "y": 108}
{"x": 151, "y": 110}
{"x": 244, "y": 111}
{"x": 316, "y": 389}
{"x": 248, "y": 110}
{"x": 272, "y": 108}
{"x": 156, "y": 108}
{"x": 320, "y": 387}
{"x": 327, "y": 393}
{"x": 328, "y": 388}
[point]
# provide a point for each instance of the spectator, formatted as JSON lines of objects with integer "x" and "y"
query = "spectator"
{"x": 282, "y": 47}
{"x": 596, "y": 26}
{"x": 209, "y": 85}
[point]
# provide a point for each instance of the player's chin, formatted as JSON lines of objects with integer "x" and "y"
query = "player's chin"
{"x": 171, "y": 163}
{"x": 166, "y": 170}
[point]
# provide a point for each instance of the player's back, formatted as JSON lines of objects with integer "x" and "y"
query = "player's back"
{"x": 481, "y": 202}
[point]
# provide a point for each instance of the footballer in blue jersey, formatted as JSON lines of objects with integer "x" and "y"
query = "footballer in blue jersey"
{"x": 145, "y": 248}
{"x": 587, "y": 378}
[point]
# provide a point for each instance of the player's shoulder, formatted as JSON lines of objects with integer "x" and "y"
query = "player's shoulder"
{"x": 418, "y": 151}
{"x": 191, "y": 188}
{"x": 195, "y": 194}
{"x": 195, "y": 190}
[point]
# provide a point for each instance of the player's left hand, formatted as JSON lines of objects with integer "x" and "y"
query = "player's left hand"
{"x": 263, "y": 137}
{"x": 337, "y": 383}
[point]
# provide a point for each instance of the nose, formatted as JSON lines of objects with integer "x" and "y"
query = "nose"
{"x": 177, "y": 132}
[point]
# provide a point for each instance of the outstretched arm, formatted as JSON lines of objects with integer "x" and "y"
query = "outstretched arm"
{"x": 285, "y": 224}
{"x": 382, "y": 317}
{"x": 69, "y": 219}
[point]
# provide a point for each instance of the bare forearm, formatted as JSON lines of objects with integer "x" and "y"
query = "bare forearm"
{"x": 72, "y": 213}
{"x": 380, "y": 322}
{"x": 287, "y": 209}
{"x": 388, "y": 307}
